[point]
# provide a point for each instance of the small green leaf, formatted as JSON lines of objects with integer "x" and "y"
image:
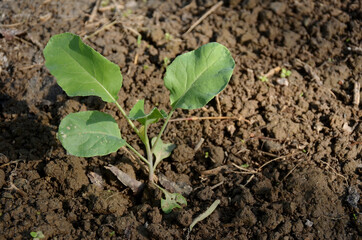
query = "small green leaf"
{"x": 285, "y": 73}
{"x": 40, "y": 234}
{"x": 263, "y": 78}
{"x": 80, "y": 70}
{"x": 194, "y": 78}
{"x": 138, "y": 113}
{"x": 173, "y": 200}
{"x": 90, "y": 133}
{"x": 33, "y": 234}
{"x": 162, "y": 150}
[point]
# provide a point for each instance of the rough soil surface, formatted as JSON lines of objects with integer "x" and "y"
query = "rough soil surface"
{"x": 290, "y": 168}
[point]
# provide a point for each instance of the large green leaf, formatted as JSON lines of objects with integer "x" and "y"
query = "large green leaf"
{"x": 138, "y": 113}
{"x": 194, "y": 78}
{"x": 90, "y": 133}
{"x": 80, "y": 70}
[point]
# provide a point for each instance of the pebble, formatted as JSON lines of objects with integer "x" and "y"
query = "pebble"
{"x": 278, "y": 7}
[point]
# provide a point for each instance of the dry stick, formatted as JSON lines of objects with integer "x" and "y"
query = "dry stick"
{"x": 309, "y": 70}
{"x": 12, "y": 25}
{"x": 218, "y": 105}
{"x": 94, "y": 12}
{"x": 13, "y": 186}
{"x": 101, "y": 29}
{"x": 132, "y": 30}
{"x": 204, "y": 16}
{"x": 334, "y": 170}
{"x": 15, "y": 161}
{"x": 214, "y": 171}
{"x": 210, "y": 118}
{"x": 356, "y": 94}
{"x": 275, "y": 159}
{"x": 135, "y": 59}
{"x": 260, "y": 168}
{"x": 290, "y": 171}
{"x": 245, "y": 170}
{"x": 217, "y": 185}
{"x": 272, "y": 72}
{"x": 249, "y": 180}
{"x": 198, "y": 145}
{"x": 31, "y": 66}
{"x": 110, "y": 7}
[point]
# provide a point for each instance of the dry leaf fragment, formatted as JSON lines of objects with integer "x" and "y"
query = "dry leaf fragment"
{"x": 128, "y": 181}
{"x": 96, "y": 179}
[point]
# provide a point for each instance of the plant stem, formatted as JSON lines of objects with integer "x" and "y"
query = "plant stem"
{"x": 127, "y": 118}
{"x": 149, "y": 154}
{"x": 162, "y": 129}
{"x": 137, "y": 153}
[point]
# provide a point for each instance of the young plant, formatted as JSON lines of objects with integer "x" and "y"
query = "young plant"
{"x": 193, "y": 79}
{"x": 285, "y": 73}
{"x": 168, "y": 37}
{"x": 37, "y": 235}
{"x": 263, "y": 78}
{"x": 139, "y": 40}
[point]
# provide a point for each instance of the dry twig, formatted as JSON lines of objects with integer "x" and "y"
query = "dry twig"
{"x": 198, "y": 145}
{"x": 204, "y": 16}
{"x": 356, "y": 94}
{"x": 218, "y": 105}
{"x": 309, "y": 70}
{"x": 94, "y": 12}
{"x": 12, "y": 185}
{"x": 272, "y": 72}
{"x": 101, "y": 29}
{"x": 209, "y": 118}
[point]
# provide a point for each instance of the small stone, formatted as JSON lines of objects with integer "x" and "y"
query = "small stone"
{"x": 283, "y": 81}
{"x": 308, "y": 223}
{"x": 278, "y": 7}
{"x": 231, "y": 129}
{"x": 353, "y": 196}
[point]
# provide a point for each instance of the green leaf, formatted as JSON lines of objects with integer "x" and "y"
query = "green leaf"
{"x": 138, "y": 113}
{"x": 173, "y": 200}
{"x": 80, "y": 70}
{"x": 90, "y": 133}
{"x": 194, "y": 78}
{"x": 33, "y": 234}
{"x": 162, "y": 150}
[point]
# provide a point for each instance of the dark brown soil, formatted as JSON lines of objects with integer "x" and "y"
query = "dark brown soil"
{"x": 302, "y": 142}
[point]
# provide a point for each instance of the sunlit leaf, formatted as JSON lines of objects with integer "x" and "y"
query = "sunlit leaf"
{"x": 80, "y": 70}
{"x": 90, "y": 133}
{"x": 194, "y": 78}
{"x": 138, "y": 113}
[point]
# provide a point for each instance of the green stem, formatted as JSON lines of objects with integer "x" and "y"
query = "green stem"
{"x": 161, "y": 188}
{"x": 149, "y": 154}
{"x": 162, "y": 129}
{"x": 127, "y": 118}
{"x": 137, "y": 153}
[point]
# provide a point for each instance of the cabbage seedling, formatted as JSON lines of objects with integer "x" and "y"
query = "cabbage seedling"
{"x": 193, "y": 79}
